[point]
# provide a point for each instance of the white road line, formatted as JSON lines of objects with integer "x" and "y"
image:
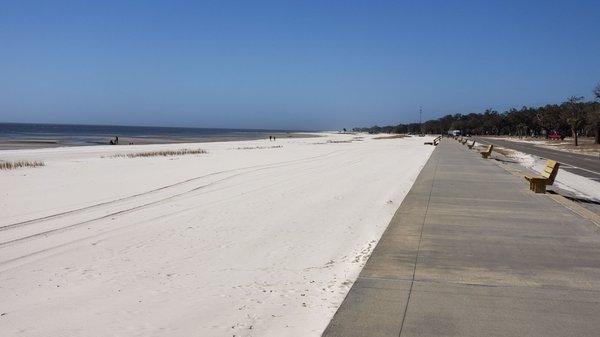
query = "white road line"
{"x": 590, "y": 171}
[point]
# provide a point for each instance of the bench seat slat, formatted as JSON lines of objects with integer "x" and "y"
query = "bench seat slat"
{"x": 536, "y": 178}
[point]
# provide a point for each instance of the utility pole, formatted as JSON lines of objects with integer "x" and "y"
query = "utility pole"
{"x": 420, "y": 121}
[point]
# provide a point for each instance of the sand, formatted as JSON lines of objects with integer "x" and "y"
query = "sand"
{"x": 253, "y": 238}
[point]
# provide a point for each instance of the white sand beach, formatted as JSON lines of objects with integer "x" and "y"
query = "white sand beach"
{"x": 253, "y": 238}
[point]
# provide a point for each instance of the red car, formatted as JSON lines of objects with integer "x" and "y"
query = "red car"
{"x": 554, "y": 136}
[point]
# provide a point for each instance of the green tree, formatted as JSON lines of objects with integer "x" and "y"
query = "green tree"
{"x": 573, "y": 116}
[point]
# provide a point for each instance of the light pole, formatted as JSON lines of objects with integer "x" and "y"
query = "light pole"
{"x": 420, "y": 122}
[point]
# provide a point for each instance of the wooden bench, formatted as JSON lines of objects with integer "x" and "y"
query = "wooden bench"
{"x": 435, "y": 142}
{"x": 538, "y": 183}
{"x": 471, "y": 145}
{"x": 487, "y": 152}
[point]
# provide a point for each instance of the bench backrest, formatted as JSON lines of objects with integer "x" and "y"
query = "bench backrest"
{"x": 550, "y": 171}
{"x": 489, "y": 149}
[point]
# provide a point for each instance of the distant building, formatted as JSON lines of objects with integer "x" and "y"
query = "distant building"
{"x": 454, "y": 133}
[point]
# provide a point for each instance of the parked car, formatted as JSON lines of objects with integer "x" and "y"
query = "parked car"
{"x": 554, "y": 136}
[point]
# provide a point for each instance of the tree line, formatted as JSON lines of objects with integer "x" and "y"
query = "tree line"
{"x": 574, "y": 117}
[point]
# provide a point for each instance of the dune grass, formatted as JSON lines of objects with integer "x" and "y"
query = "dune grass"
{"x": 258, "y": 147}
{"x": 164, "y": 153}
{"x": 11, "y": 165}
{"x": 390, "y": 137}
{"x": 339, "y": 141}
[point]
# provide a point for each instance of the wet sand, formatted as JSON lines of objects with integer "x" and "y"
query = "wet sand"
{"x": 39, "y": 143}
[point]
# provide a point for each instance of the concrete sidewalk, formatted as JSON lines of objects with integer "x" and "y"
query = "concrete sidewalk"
{"x": 472, "y": 252}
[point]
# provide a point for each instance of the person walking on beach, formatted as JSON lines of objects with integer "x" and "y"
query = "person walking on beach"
{"x": 270, "y": 138}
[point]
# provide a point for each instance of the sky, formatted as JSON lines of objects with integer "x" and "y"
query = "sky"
{"x": 313, "y": 65}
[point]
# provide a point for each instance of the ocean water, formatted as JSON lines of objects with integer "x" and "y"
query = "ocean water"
{"x": 71, "y": 134}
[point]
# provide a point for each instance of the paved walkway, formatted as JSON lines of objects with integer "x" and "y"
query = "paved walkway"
{"x": 472, "y": 252}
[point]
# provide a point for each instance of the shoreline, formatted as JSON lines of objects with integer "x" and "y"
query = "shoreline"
{"x": 31, "y": 143}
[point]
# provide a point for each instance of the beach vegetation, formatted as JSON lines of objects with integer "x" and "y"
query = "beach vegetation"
{"x": 163, "y": 153}
{"x": 390, "y": 137}
{"x": 11, "y": 165}
{"x": 258, "y": 147}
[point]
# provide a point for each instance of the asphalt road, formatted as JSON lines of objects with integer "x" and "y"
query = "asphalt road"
{"x": 583, "y": 165}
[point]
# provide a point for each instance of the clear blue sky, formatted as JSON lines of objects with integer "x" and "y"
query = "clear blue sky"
{"x": 289, "y": 64}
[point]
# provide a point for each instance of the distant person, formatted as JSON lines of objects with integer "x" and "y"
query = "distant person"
{"x": 116, "y": 139}
{"x": 270, "y": 138}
